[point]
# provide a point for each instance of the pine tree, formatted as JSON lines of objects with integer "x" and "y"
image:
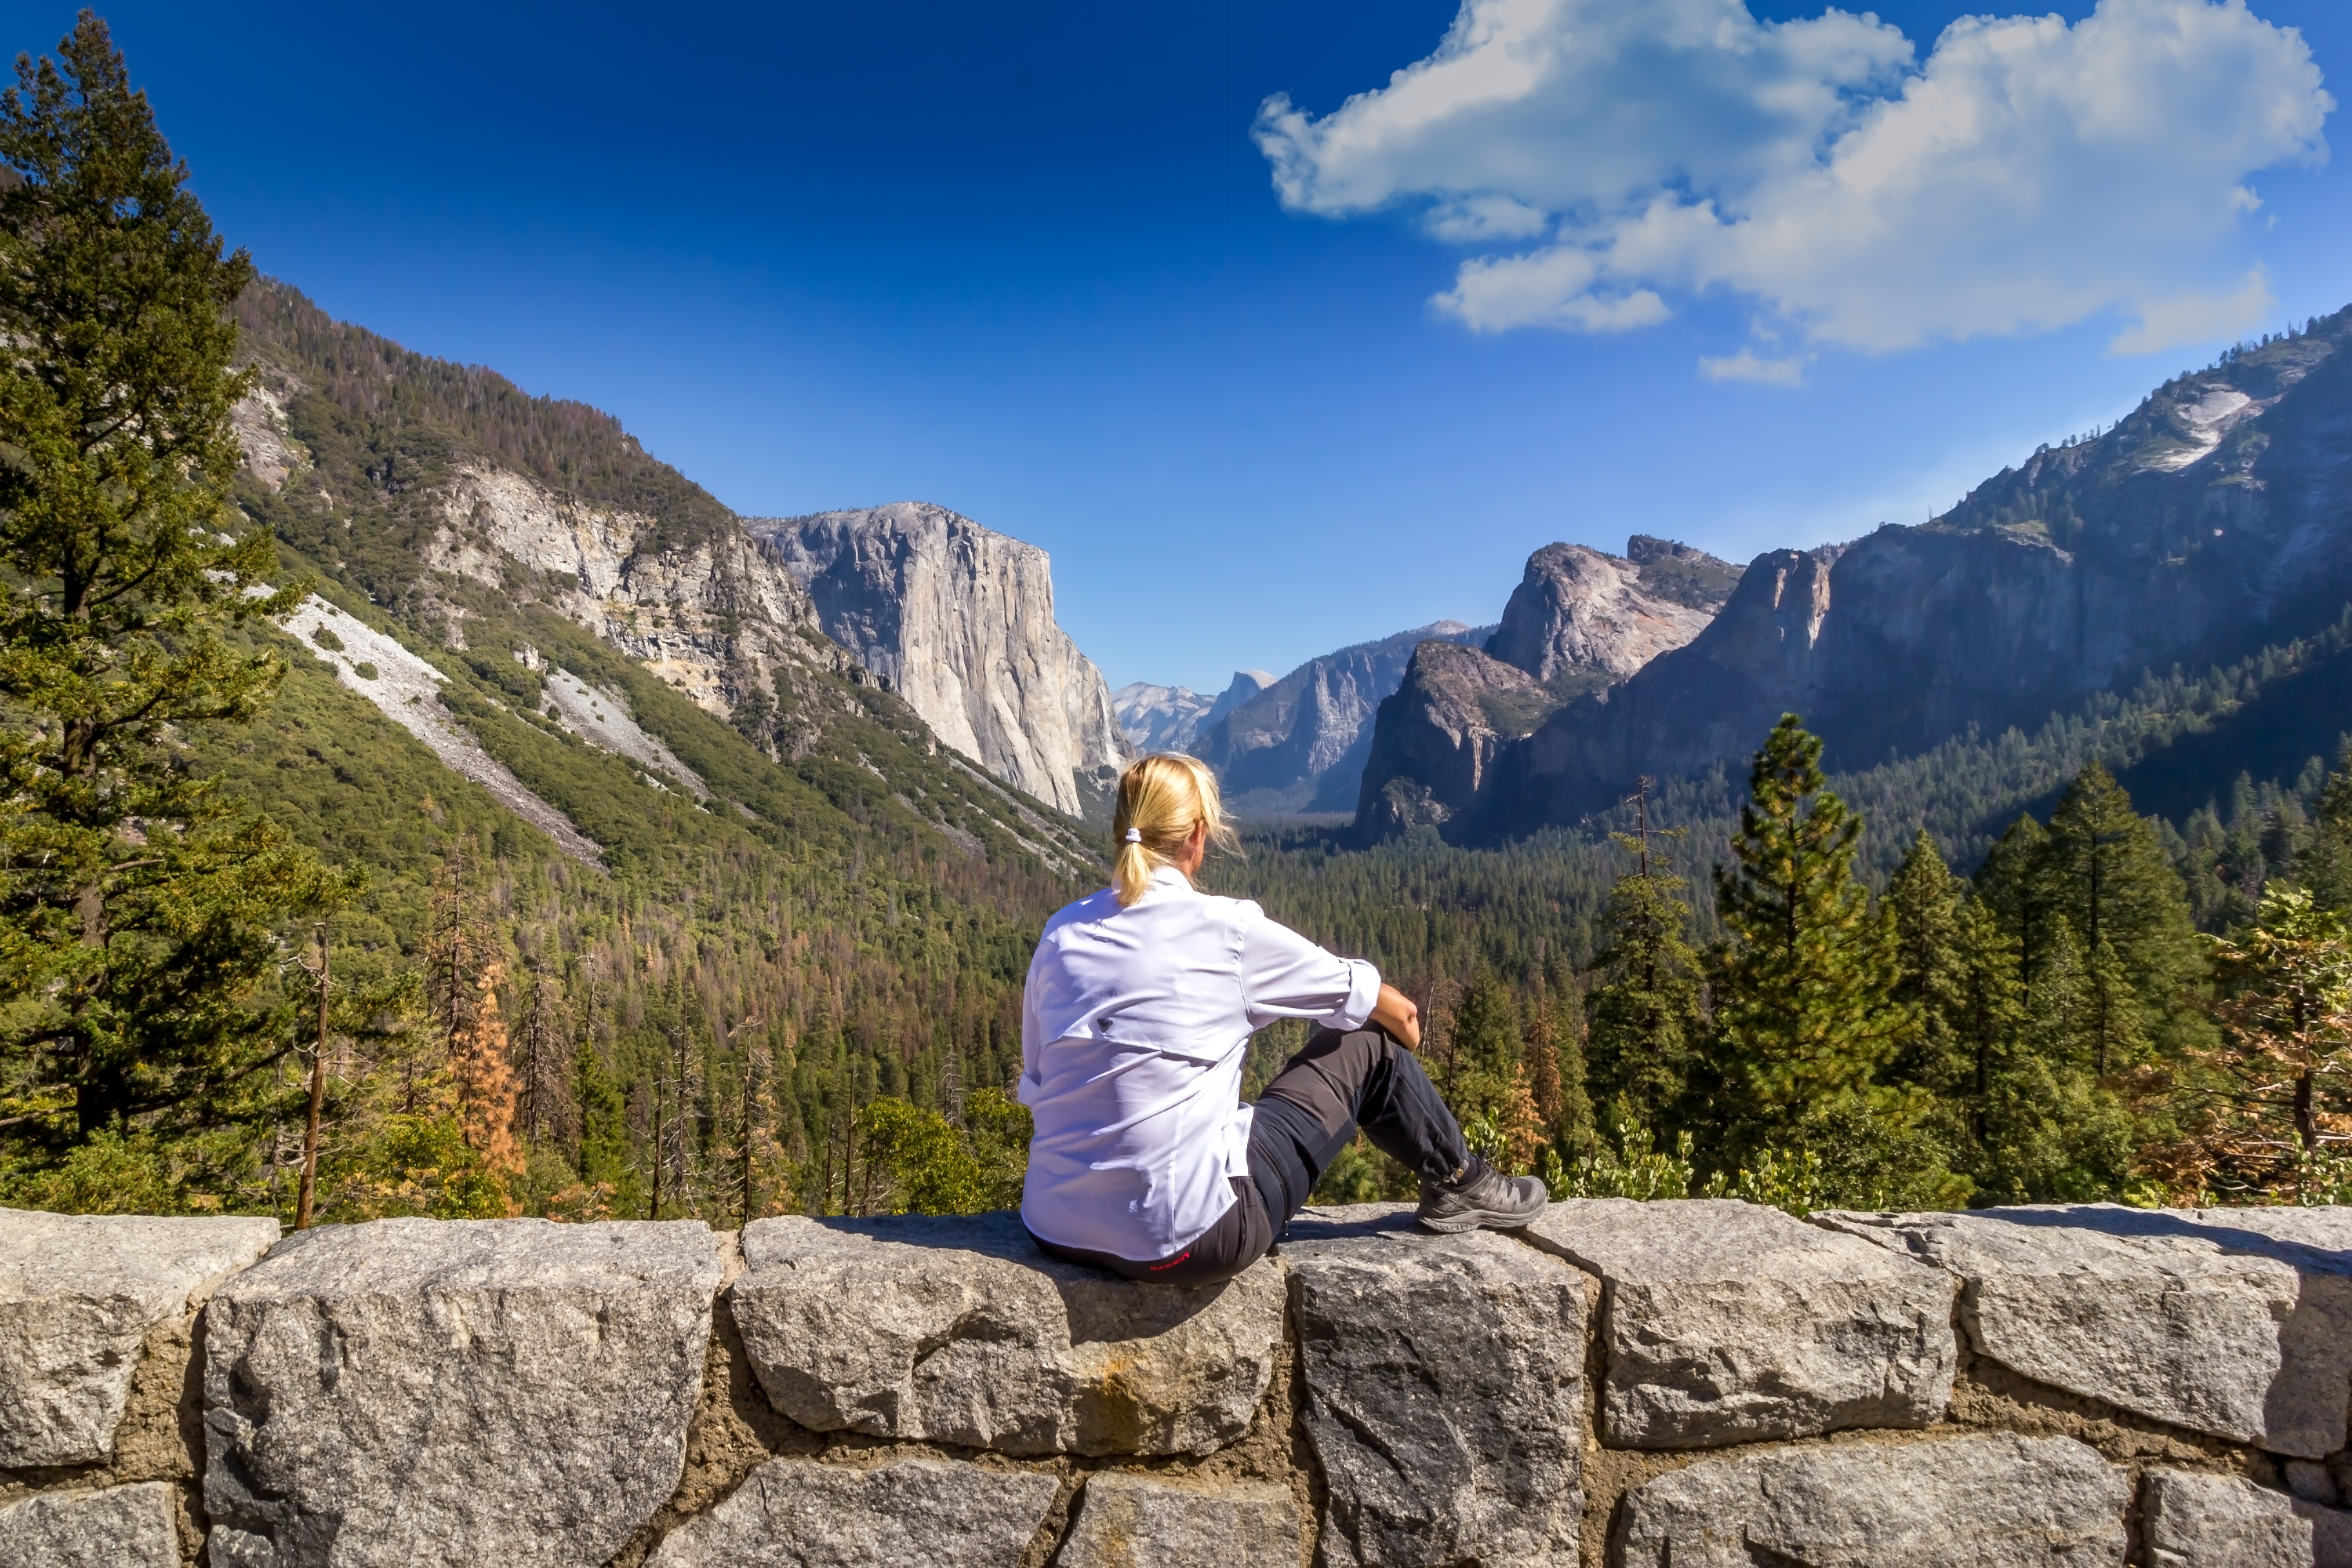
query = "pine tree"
{"x": 2325, "y": 867}
{"x": 1644, "y": 1023}
{"x": 2273, "y": 1106}
{"x": 1803, "y": 1007}
{"x": 1485, "y": 1079}
{"x": 1931, "y": 980}
{"x": 2109, "y": 880}
{"x": 136, "y": 904}
{"x": 2011, "y": 885}
{"x": 1556, "y": 1044}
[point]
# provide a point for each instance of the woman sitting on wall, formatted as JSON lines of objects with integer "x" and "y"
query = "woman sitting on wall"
{"x": 1139, "y": 1010}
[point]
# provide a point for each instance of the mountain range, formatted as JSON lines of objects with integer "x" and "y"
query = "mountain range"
{"x": 2205, "y": 527}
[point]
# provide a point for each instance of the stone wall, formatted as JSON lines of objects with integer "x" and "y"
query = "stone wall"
{"x": 1656, "y": 1385}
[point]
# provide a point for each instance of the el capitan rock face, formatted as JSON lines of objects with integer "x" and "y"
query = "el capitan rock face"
{"x": 959, "y": 620}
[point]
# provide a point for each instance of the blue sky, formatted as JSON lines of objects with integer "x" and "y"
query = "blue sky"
{"x": 1032, "y": 263}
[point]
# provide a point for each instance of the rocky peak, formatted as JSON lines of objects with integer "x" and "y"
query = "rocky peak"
{"x": 1174, "y": 718}
{"x": 959, "y": 620}
{"x": 1158, "y": 718}
{"x": 1579, "y": 611}
{"x": 1299, "y": 742}
{"x": 1437, "y": 738}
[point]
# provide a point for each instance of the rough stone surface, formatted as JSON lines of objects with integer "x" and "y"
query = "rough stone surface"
{"x": 959, "y": 620}
{"x": 78, "y": 1295}
{"x": 916, "y": 1513}
{"x": 123, "y": 1527}
{"x": 1132, "y": 1521}
{"x": 960, "y": 1330}
{"x": 2217, "y": 1329}
{"x": 418, "y": 1392}
{"x": 2194, "y": 1521}
{"x": 1978, "y": 1502}
{"x": 1725, "y": 1322}
{"x": 1444, "y": 1384}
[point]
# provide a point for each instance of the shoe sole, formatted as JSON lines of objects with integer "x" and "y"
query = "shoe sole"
{"x": 1477, "y": 1219}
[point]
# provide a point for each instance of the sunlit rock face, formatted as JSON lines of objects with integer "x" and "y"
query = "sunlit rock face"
{"x": 959, "y": 620}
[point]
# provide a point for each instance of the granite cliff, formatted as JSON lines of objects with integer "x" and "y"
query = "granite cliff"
{"x": 2214, "y": 519}
{"x": 1580, "y": 620}
{"x": 959, "y": 620}
{"x": 461, "y": 531}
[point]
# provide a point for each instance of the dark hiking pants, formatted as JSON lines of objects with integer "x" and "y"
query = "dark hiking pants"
{"x": 1307, "y": 1115}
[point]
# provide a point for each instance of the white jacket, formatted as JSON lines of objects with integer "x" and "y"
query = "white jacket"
{"x": 1134, "y": 1025}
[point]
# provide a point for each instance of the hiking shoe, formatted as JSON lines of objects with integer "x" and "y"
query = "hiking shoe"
{"x": 1481, "y": 1196}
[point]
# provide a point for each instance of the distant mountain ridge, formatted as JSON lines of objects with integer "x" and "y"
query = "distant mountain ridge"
{"x": 2215, "y": 520}
{"x": 1299, "y": 745}
{"x": 1171, "y": 718}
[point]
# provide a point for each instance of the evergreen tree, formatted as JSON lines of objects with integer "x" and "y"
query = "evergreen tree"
{"x": 2270, "y": 1110}
{"x": 2108, "y": 877}
{"x": 2325, "y": 867}
{"x": 2011, "y": 885}
{"x": 1485, "y": 1079}
{"x": 1803, "y": 1004}
{"x": 1931, "y": 972}
{"x": 136, "y": 905}
{"x": 1643, "y": 1009}
{"x": 1556, "y": 1046}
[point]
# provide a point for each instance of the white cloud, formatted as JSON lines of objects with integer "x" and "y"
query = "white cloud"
{"x": 2027, "y": 174}
{"x": 1746, "y": 366}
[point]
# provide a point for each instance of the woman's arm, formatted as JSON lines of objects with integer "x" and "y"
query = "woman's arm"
{"x": 1396, "y": 1013}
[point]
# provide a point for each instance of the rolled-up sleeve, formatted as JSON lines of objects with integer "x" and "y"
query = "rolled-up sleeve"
{"x": 1283, "y": 976}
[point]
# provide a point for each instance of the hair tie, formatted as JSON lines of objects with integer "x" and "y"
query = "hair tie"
{"x": 1135, "y": 835}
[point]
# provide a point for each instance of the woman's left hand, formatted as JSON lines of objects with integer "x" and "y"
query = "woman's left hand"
{"x": 1398, "y": 1014}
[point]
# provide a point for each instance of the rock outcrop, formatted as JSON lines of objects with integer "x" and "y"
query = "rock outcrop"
{"x": 1580, "y": 612}
{"x": 120, "y": 1527}
{"x": 934, "y": 1394}
{"x": 2217, "y": 1329}
{"x": 1130, "y": 1522}
{"x": 436, "y": 1391}
{"x": 1299, "y": 745}
{"x": 1445, "y": 1392}
{"x": 1438, "y": 738}
{"x": 1986, "y": 1502}
{"x": 1729, "y": 1323}
{"x": 2196, "y": 1520}
{"x": 959, "y": 621}
{"x": 79, "y": 1295}
{"x": 960, "y": 1330}
{"x": 2210, "y": 522}
{"x": 1578, "y": 621}
{"x": 915, "y": 1513}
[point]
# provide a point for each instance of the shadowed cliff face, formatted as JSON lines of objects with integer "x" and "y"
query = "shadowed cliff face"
{"x": 1300, "y": 743}
{"x": 1579, "y": 619}
{"x": 959, "y": 621}
{"x": 2216, "y": 518}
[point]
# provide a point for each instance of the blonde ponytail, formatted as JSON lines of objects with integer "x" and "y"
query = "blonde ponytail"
{"x": 1162, "y": 798}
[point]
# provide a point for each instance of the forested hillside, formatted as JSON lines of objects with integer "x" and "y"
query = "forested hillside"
{"x": 689, "y": 1025}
